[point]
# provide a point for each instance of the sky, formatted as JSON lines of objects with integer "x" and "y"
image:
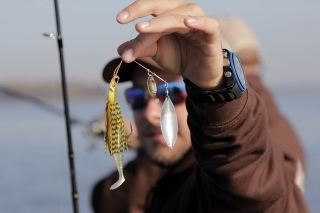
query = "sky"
{"x": 288, "y": 32}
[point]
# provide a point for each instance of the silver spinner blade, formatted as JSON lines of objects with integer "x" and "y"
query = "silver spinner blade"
{"x": 169, "y": 123}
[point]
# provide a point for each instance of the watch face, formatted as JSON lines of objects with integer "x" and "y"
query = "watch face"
{"x": 241, "y": 80}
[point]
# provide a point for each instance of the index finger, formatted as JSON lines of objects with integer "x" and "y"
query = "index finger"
{"x": 142, "y": 8}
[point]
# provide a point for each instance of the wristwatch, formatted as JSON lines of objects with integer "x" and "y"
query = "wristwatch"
{"x": 236, "y": 83}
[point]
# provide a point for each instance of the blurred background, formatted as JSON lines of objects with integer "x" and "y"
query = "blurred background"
{"x": 33, "y": 148}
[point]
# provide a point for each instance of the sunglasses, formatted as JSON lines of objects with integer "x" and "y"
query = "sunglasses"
{"x": 138, "y": 97}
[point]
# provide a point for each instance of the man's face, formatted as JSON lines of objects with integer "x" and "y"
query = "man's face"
{"x": 148, "y": 122}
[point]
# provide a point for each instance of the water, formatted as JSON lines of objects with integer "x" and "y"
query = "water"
{"x": 34, "y": 166}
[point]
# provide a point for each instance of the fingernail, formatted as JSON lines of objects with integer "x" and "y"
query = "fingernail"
{"x": 123, "y": 15}
{"x": 127, "y": 54}
{"x": 144, "y": 24}
{"x": 191, "y": 20}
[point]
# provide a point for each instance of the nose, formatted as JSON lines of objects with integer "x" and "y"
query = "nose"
{"x": 153, "y": 111}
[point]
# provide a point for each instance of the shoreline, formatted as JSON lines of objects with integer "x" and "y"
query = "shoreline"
{"x": 53, "y": 91}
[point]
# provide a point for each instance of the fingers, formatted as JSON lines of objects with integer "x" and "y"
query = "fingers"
{"x": 144, "y": 45}
{"x": 170, "y": 21}
{"x": 164, "y": 24}
{"x": 150, "y": 31}
{"x": 142, "y": 8}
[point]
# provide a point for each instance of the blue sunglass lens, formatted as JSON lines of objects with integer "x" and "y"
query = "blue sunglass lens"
{"x": 135, "y": 97}
{"x": 177, "y": 92}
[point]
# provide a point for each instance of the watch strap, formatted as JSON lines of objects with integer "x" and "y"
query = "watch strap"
{"x": 216, "y": 95}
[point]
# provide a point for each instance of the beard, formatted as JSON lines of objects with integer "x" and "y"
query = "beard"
{"x": 157, "y": 150}
{"x": 167, "y": 161}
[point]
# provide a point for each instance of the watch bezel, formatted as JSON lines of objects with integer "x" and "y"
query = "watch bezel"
{"x": 235, "y": 71}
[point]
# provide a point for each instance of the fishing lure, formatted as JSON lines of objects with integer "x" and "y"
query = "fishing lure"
{"x": 115, "y": 138}
{"x": 168, "y": 119}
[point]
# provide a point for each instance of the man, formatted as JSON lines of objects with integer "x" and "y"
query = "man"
{"x": 239, "y": 166}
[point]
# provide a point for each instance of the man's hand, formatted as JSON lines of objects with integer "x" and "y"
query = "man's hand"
{"x": 180, "y": 38}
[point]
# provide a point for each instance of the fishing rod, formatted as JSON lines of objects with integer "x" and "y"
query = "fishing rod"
{"x": 58, "y": 37}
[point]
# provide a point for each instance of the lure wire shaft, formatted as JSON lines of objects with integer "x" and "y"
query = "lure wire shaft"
{"x": 149, "y": 71}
